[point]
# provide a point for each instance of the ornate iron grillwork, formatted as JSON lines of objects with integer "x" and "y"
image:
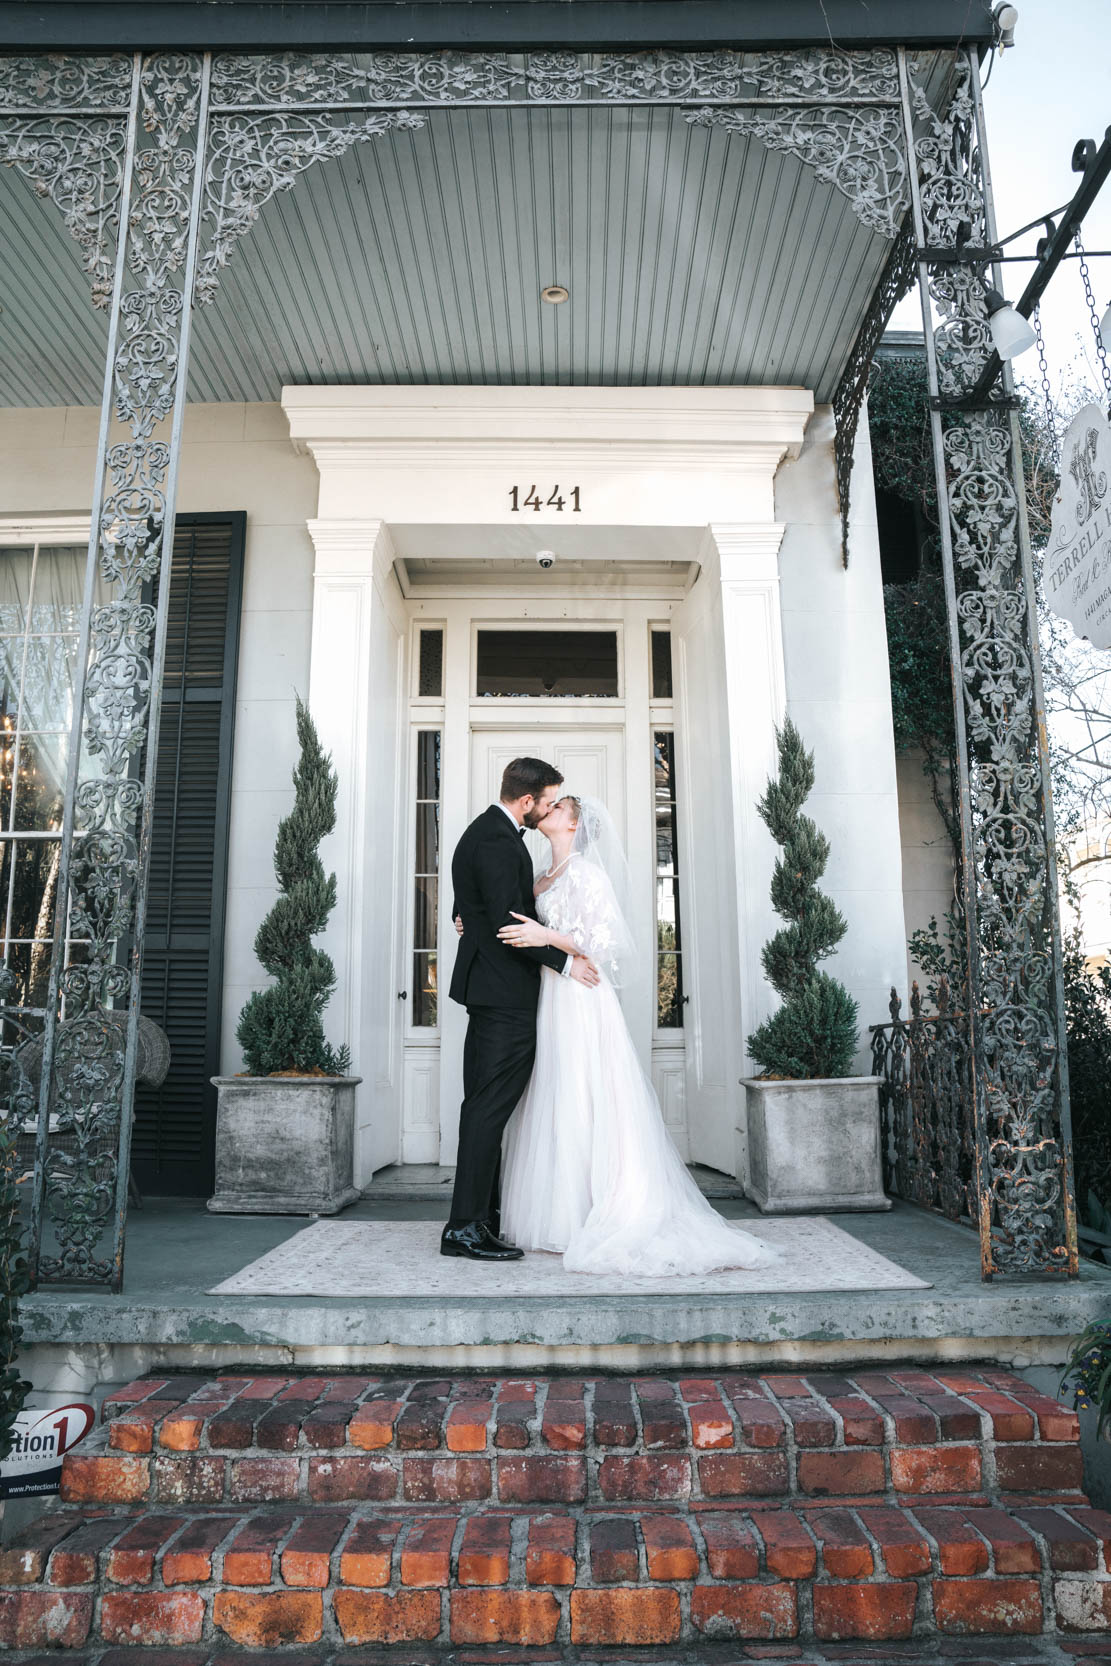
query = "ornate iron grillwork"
{"x": 929, "y": 1147}
{"x": 115, "y": 142}
{"x": 1018, "y": 1081}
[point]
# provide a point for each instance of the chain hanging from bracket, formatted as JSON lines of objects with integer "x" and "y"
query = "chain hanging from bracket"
{"x": 1101, "y": 351}
{"x": 1047, "y": 393}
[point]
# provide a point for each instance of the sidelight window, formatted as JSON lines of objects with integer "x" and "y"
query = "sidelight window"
{"x": 669, "y": 942}
{"x": 426, "y": 883}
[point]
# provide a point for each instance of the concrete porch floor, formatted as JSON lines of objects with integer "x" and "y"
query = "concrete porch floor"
{"x": 176, "y": 1251}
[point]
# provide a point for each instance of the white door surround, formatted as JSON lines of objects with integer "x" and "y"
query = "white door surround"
{"x": 685, "y": 474}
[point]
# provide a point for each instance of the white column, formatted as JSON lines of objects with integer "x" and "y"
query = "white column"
{"x": 756, "y": 700}
{"x": 355, "y": 669}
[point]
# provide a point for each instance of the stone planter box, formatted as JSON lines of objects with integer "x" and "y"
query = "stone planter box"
{"x": 285, "y": 1145}
{"x": 814, "y": 1146}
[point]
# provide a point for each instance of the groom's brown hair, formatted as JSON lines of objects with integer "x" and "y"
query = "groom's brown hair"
{"x": 527, "y": 776}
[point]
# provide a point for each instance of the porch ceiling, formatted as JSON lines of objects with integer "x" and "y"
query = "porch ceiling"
{"x": 692, "y": 257}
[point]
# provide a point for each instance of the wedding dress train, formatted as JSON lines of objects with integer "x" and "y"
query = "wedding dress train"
{"x": 589, "y": 1169}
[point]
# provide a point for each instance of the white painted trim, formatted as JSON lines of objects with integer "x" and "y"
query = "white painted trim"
{"x": 44, "y": 529}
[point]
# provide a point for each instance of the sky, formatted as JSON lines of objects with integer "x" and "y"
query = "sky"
{"x": 1050, "y": 89}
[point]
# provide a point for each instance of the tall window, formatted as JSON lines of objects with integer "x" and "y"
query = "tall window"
{"x": 426, "y": 883}
{"x": 40, "y": 609}
{"x": 669, "y": 940}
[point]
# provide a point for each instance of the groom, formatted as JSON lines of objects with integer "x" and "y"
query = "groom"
{"x": 499, "y": 986}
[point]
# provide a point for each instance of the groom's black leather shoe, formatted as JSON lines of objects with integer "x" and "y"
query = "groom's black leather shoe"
{"x": 476, "y": 1242}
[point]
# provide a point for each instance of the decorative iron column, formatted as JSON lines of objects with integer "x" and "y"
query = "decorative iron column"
{"x": 1019, "y": 1071}
{"x": 92, "y": 1006}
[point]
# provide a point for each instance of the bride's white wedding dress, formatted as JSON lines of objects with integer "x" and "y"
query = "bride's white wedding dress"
{"x": 589, "y": 1169}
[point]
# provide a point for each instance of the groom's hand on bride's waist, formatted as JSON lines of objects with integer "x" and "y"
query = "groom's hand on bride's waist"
{"x": 584, "y": 971}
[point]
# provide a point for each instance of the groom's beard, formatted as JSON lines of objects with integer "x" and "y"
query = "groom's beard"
{"x": 534, "y": 817}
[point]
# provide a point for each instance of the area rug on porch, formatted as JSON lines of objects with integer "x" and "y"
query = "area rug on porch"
{"x": 402, "y": 1258}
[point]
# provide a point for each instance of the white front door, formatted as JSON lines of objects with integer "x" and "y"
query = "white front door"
{"x": 591, "y": 762}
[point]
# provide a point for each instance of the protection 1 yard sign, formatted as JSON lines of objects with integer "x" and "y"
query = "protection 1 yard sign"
{"x": 40, "y": 1440}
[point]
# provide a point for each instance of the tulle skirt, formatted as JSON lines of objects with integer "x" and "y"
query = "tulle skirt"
{"x": 589, "y": 1170}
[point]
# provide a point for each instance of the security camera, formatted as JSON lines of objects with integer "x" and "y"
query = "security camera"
{"x": 545, "y": 559}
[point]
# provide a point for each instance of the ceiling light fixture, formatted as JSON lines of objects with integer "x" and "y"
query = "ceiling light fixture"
{"x": 554, "y": 294}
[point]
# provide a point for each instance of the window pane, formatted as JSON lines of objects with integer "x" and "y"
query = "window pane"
{"x": 424, "y": 913}
{"x": 548, "y": 664}
{"x": 661, "y": 665}
{"x": 424, "y": 991}
{"x": 665, "y": 840}
{"x": 40, "y": 783}
{"x": 34, "y": 864}
{"x": 669, "y": 961}
{"x": 669, "y": 993}
{"x": 48, "y": 676}
{"x": 430, "y": 676}
{"x": 661, "y": 758}
{"x": 15, "y": 590}
{"x": 428, "y": 839}
{"x": 428, "y": 763}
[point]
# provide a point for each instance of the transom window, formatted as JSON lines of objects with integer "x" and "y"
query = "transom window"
{"x": 547, "y": 664}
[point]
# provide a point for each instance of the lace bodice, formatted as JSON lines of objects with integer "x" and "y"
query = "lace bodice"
{"x": 581, "y": 905}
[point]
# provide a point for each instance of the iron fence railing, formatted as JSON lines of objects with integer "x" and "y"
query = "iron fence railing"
{"x": 924, "y": 1062}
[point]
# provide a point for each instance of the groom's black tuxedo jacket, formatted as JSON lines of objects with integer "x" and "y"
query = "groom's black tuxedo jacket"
{"x": 492, "y": 875}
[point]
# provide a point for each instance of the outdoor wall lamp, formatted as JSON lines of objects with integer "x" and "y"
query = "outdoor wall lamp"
{"x": 1010, "y": 332}
{"x": 1005, "y": 17}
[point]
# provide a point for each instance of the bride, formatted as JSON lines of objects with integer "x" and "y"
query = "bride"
{"x": 589, "y": 1169}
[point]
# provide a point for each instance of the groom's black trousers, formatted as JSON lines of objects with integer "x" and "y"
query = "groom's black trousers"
{"x": 497, "y": 1063}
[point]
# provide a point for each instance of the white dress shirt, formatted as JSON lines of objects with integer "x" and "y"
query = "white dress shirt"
{"x": 570, "y": 961}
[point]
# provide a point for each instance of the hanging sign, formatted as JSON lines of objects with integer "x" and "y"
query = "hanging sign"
{"x": 1078, "y": 558}
{"x": 40, "y": 1440}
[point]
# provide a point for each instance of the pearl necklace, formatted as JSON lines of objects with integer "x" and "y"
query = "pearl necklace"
{"x": 551, "y": 872}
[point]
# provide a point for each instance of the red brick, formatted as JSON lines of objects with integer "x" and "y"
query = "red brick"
{"x": 74, "y": 1562}
{"x": 1083, "y": 1605}
{"x": 1012, "y": 1547}
{"x": 515, "y": 1388}
{"x": 306, "y": 1559}
{"x": 262, "y": 1388}
{"x": 782, "y": 1384}
{"x": 611, "y": 1617}
{"x": 550, "y": 1557}
{"x": 378, "y": 1617}
{"x": 765, "y": 1611}
{"x": 44, "y": 1619}
{"x": 333, "y": 1480}
{"x": 249, "y": 1558}
{"x": 366, "y": 1557}
{"x": 731, "y": 1551}
{"x": 846, "y": 1551}
{"x": 181, "y": 1431}
{"x": 845, "y": 1474}
{"x": 982, "y": 1607}
{"x": 862, "y": 1424}
{"x": 373, "y": 1424}
{"x": 268, "y": 1619}
{"x": 762, "y": 1424}
{"x": 542, "y": 1480}
{"x": 426, "y": 1553}
{"x": 188, "y": 1561}
{"x": 743, "y": 1474}
{"x": 647, "y": 1477}
{"x": 528, "y": 1618}
{"x": 613, "y": 1550}
{"x": 789, "y": 1551}
{"x": 882, "y": 1612}
{"x": 563, "y": 1426}
{"x": 153, "y": 1618}
{"x": 264, "y": 1480}
{"x": 614, "y": 1422}
{"x": 1055, "y": 1421}
{"x": 903, "y": 1545}
{"x": 194, "y": 1478}
{"x": 511, "y": 1426}
{"x": 1097, "y": 1523}
{"x": 914, "y": 1425}
{"x": 326, "y": 1427}
{"x": 445, "y": 1480}
{"x": 663, "y": 1425}
{"x": 933, "y": 1469}
{"x": 466, "y": 1426}
{"x": 141, "y": 1389}
{"x": 233, "y": 1429}
{"x": 698, "y": 1388}
{"x": 1071, "y": 1548}
{"x": 131, "y": 1559}
{"x": 1009, "y": 1419}
{"x": 961, "y": 1550}
{"x": 669, "y": 1547}
{"x": 108, "y": 1480}
{"x": 134, "y": 1432}
{"x": 711, "y": 1425}
{"x": 1039, "y": 1468}
{"x": 957, "y": 1419}
{"x": 24, "y": 1562}
{"x": 279, "y": 1429}
{"x": 308, "y": 1388}
{"x": 811, "y": 1423}
{"x": 419, "y": 1427}
{"x": 484, "y": 1553}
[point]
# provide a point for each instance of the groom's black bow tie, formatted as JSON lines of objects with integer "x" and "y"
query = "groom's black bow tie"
{"x": 521, "y": 831}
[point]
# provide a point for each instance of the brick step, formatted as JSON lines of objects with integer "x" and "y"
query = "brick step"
{"x": 330, "y": 1440}
{"x": 276, "y": 1579}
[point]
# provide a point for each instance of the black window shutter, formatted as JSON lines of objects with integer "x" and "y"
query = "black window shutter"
{"x": 183, "y": 943}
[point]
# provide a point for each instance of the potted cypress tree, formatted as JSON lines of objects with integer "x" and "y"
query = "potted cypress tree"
{"x": 285, "y": 1128}
{"x": 813, "y": 1127}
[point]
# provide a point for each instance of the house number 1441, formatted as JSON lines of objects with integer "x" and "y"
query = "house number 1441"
{"x": 533, "y": 500}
